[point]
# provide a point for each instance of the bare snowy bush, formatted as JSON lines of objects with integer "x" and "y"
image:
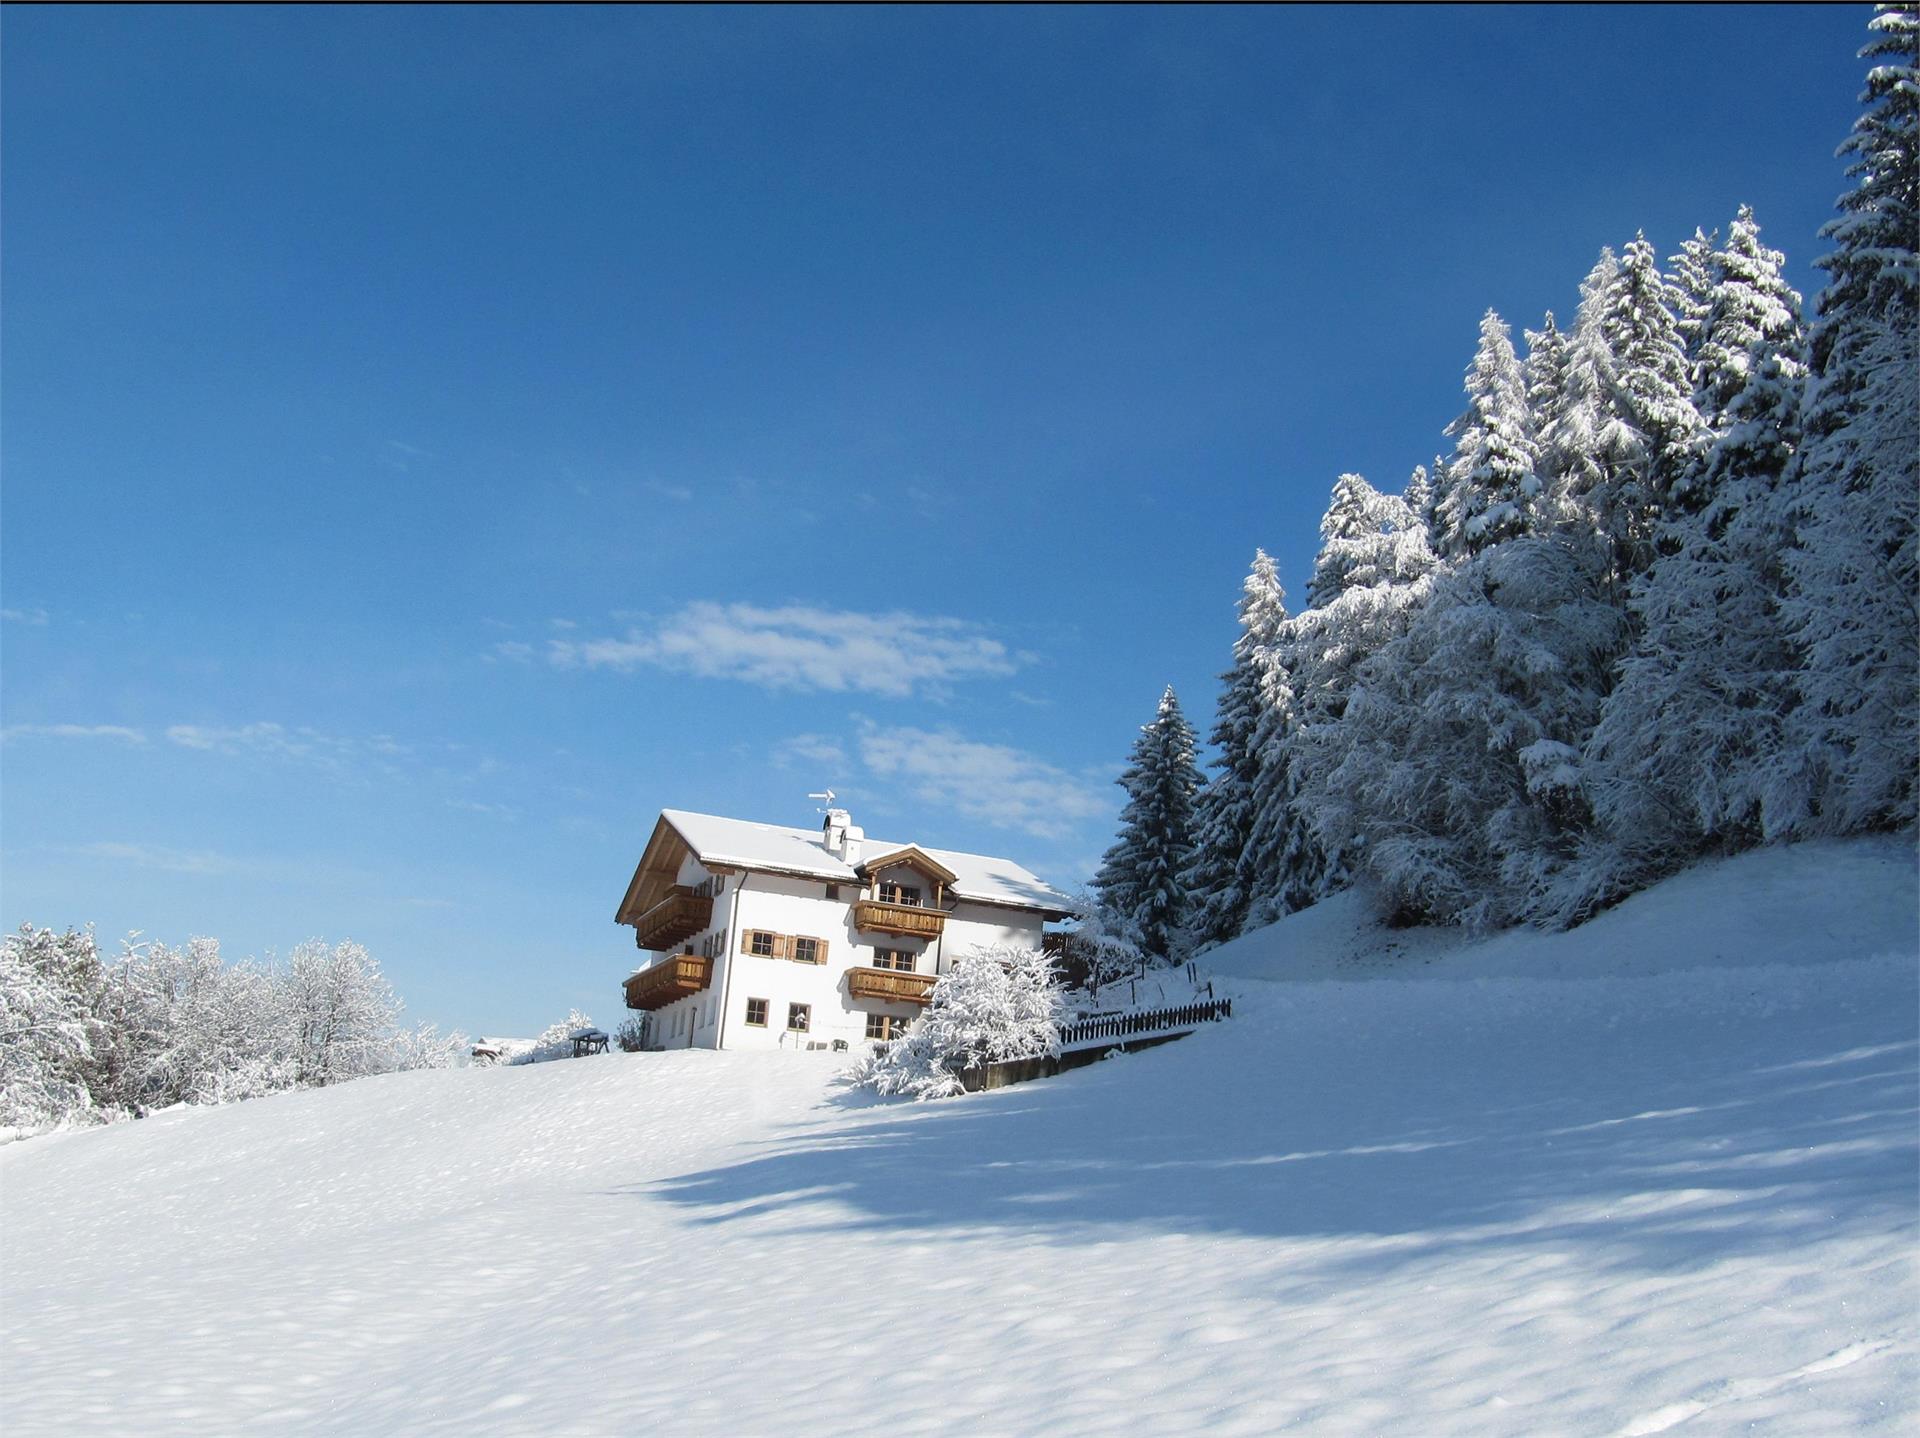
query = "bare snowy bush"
{"x": 993, "y": 1005}
{"x": 84, "y": 1041}
{"x": 555, "y": 1041}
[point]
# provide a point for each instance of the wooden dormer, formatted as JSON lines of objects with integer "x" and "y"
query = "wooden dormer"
{"x": 938, "y": 876}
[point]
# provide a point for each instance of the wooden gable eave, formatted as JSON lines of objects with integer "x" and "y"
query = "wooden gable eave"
{"x": 913, "y": 857}
{"x": 658, "y": 870}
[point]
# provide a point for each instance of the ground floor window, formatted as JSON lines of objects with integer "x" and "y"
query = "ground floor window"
{"x": 886, "y": 1026}
{"x": 799, "y": 1017}
{"x": 757, "y": 1013}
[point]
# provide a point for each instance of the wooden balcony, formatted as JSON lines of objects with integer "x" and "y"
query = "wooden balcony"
{"x": 680, "y": 915}
{"x": 908, "y": 919}
{"x": 672, "y": 978}
{"x": 889, "y": 984}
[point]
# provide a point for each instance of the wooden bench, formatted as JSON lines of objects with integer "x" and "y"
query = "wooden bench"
{"x": 588, "y": 1041}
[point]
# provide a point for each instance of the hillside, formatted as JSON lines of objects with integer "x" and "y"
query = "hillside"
{"x": 1656, "y": 1175}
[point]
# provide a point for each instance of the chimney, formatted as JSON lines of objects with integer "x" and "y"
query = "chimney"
{"x": 834, "y": 830}
{"x": 850, "y": 844}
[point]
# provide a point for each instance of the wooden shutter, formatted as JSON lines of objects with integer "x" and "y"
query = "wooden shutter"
{"x": 783, "y": 946}
{"x": 819, "y": 951}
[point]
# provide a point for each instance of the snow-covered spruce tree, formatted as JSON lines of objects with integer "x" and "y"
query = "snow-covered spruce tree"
{"x": 342, "y": 1012}
{"x": 1370, "y": 575}
{"x": 1492, "y": 491}
{"x": 1854, "y": 571}
{"x": 1691, "y": 294}
{"x": 993, "y": 1005}
{"x": 1752, "y": 312}
{"x": 1689, "y": 754}
{"x": 1419, "y": 499}
{"x": 1627, "y": 429}
{"x": 1140, "y": 878}
{"x": 1545, "y": 370}
{"x": 1218, "y": 883}
{"x": 47, "y": 1028}
{"x": 1455, "y": 782}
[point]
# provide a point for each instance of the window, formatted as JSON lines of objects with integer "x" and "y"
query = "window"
{"x": 892, "y": 893}
{"x": 898, "y": 959}
{"x": 760, "y": 941}
{"x": 886, "y": 1026}
{"x": 757, "y": 1013}
{"x": 799, "y": 1018}
{"x": 833, "y": 891}
{"x": 806, "y": 951}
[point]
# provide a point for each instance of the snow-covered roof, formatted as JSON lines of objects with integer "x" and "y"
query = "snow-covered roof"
{"x": 774, "y": 847}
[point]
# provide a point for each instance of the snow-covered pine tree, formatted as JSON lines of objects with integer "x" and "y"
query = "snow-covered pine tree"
{"x": 1418, "y": 497}
{"x": 1691, "y": 294}
{"x": 1141, "y": 876}
{"x": 1855, "y": 574}
{"x": 1454, "y": 781}
{"x": 1627, "y": 429}
{"x": 1492, "y": 489}
{"x": 1370, "y": 576}
{"x": 1226, "y": 808}
{"x": 1751, "y": 312}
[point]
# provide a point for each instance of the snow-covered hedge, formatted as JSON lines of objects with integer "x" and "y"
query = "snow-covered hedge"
{"x": 994, "y": 1004}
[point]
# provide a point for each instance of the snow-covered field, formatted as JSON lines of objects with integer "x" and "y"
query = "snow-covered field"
{"x": 1655, "y": 1175}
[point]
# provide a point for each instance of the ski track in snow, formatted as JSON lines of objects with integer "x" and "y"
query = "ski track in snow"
{"x": 1664, "y": 1202}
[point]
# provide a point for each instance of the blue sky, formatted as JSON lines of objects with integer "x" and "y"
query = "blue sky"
{"x": 438, "y": 439}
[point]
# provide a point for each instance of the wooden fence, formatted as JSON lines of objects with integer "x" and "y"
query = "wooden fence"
{"x": 1103, "y": 1028}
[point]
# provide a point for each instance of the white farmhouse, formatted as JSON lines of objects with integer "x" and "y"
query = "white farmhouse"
{"x": 767, "y": 936}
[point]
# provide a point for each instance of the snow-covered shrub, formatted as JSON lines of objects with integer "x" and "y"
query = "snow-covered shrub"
{"x": 555, "y": 1040}
{"x": 994, "y": 1004}
{"x": 47, "y": 1028}
{"x": 342, "y": 1011}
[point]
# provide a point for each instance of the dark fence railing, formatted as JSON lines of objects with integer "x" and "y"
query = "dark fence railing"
{"x": 1142, "y": 1021}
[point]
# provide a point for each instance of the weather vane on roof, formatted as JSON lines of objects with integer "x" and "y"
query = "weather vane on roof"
{"x": 828, "y": 796}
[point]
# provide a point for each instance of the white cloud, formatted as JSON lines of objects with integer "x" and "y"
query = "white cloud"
{"x": 999, "y": 785}
{"x": 35, "y": 616}
{"x": 299, "y": 745}
{"x": 74, "y": 731}
{"x": 814, "y": 749}
{"x": 155, "y": 856}
{"x": 519, "y": 651}
{"x": 799, "y": 647}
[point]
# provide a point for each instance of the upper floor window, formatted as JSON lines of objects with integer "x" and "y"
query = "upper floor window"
{"x": 892, "y": 892}
{"x": 898, "y": 959}
{"x": 760, "y": 942}
{"x": 806, "y": 951}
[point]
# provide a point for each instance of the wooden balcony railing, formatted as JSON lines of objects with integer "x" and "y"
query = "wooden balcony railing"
{"x": 672, "y": 978}
{"x": 889, "y": 984}
{"x": 680, "y": 915}
{"x": 910, "y": 919}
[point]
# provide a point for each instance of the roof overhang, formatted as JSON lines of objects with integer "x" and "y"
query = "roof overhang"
{"x": 914, "y": 857}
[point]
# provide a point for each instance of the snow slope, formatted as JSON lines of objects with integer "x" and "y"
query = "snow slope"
{"x": 1664, "y": 1182}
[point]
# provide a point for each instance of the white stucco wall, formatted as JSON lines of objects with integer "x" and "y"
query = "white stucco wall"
{"x": 801, "y": 907}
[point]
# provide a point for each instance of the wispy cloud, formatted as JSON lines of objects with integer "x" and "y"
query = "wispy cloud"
{"x": 492, "y": 811}
{"x": 999, "y": 785}
{"x": 117, "y": 732}
{"x": 156, "y": 856}
{"x": 336, "y": 753}
{"x": 34, "y": 616}
{"x": 516, "y": 650}
{"x": 399, "y": 456}
{"x": 814, "y": 749}
{"x": 799, "y": 647}
{"x": 679, "y": 493}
